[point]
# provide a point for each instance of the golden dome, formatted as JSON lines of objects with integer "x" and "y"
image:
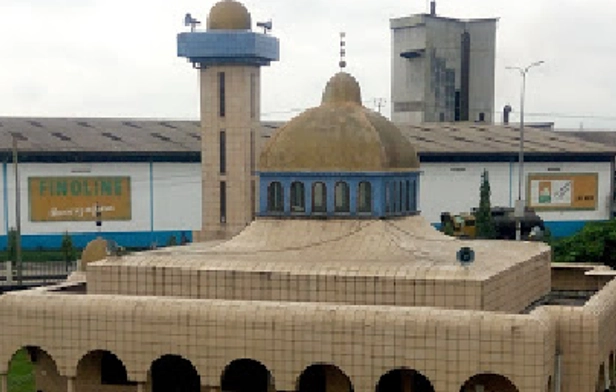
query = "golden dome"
{"x": 96, "y": 250}
{"x": 339, "y": 135}
{"x": 229, "y": 15}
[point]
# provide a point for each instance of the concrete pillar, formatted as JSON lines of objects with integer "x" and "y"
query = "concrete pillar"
{"x": 70, "y": 384}
{"x": 3, "y": 383}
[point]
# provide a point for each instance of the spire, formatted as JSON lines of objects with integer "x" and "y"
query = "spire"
{"x": 342, "y": 62}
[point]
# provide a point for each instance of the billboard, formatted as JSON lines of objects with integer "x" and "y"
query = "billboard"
{"x": 563, "y": 191}
{"x": 66, "y": 199}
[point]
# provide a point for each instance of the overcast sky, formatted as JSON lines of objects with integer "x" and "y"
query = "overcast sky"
{"x": 117, "y": 58}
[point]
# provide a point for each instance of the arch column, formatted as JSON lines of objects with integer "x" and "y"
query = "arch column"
{"x": 70, "y": 384}
{"x": 3, "y": 383}
{"x": 140, "y": 387}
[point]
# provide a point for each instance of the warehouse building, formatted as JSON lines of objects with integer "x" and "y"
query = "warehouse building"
{"x": 66, "y": 166}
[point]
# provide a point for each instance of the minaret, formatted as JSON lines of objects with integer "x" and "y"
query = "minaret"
{"x": 229, "y": 56}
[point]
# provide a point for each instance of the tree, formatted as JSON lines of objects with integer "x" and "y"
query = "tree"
{"x": 483, "y": 218}
{"x": 595, "y": 243}
{"x": 11, "y": 246}
{"x": 68, "y": 251}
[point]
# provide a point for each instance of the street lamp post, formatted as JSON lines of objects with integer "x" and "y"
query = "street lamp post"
{"x": 520, "y": 205}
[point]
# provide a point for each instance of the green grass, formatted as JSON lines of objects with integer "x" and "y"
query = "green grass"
{"x": 21, "y": 373}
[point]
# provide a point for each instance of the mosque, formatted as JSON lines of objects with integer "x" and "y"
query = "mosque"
{"x": 339, "y": 285}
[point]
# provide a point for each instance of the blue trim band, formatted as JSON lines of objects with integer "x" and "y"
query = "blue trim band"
{"x": 143, "y": 239}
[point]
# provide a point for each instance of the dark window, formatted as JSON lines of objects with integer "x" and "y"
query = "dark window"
{"x": 253, "y": 201}
{"x": 275, "y": 197}
{"x": 342, "y": 197}
{"x": 221, "y": 94}
{"x": 319, "y": 197}
{"x": 113, "y": 371}
{"x": 364, "y": 197}
{"x": 223, "y": 202}
{"x": 387, "y": 198}
{"x": 408, "y": 196}
{"x": 401, "y": 187}
{"x": 253, "y": 95}
{"x": 395, "y": 202}
{"x": 223, "y": 152}
{"x": 252, "y": 151}
{"x": 298, "y": 197}
{"x": 482, "y": 117}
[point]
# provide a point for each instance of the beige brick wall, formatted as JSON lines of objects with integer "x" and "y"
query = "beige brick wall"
{"x": 365, "y": 342}
{"x": 512, "y": 290}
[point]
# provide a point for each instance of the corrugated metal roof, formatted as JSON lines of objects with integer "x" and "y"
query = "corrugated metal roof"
{"x": 172, "y": 136}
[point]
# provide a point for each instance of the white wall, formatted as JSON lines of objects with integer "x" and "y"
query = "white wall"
{"x": 177, "y": 196}
{"x": 176, "y": 188}
{"x": 442, "y": 189}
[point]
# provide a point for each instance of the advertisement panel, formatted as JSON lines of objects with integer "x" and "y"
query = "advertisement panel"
{"x": 563, "y": 191}
{"x": 65, "y": 199}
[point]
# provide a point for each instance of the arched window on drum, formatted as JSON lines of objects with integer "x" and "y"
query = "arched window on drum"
{"x": 275, "y": 197}
{"x": 364, "y": 197}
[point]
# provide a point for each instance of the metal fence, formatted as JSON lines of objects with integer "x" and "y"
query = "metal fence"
{"x": 34, "y": 273}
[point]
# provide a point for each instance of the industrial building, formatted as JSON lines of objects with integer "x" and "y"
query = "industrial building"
{"x": 161, "y": 161}
{"x": 442, "y": 69}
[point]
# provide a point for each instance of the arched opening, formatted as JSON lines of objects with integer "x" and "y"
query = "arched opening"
{"x": 31, "y": 369}
{"x": 100, "y": 367}
{"x": 319, "y": 197}
{"x": 324, "y": 378}
{"x": 404, "y": 380}
{"x": 611, "y": 370}
{"x": 364, "y": 197}
{"x": 298, "y": 197}
{"x": 174, "y": 373}
{"x": 488, "y": 382}
{"x": 275, "y": 197}
{"x": 602, "y": 384}
{"x": 246, "y": 375}
{"x": 342, "y": 197}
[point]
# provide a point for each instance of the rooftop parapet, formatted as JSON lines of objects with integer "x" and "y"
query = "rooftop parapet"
{"x": 228, "y": 47}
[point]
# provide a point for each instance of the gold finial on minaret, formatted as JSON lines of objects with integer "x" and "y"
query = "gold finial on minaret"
{"x": 342, "y": 51}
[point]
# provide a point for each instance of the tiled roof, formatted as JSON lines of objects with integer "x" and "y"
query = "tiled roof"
{"x": 102, "y": 135}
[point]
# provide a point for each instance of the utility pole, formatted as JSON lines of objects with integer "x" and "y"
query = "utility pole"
{"x": 17, "y": 214}
{"x": 520, "y": 205}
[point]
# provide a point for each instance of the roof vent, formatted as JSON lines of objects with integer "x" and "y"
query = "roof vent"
{"x": 160, "y": 137}
{"x": 465, "y": 256}
{"x": 112, "y": 136}
{"x": 167, "y": 125}
{"x": 131, "y": 124}
{"x": 61, "y": 136}
{"x": 84, "y": 124}
{"x": 36, "y": 124}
